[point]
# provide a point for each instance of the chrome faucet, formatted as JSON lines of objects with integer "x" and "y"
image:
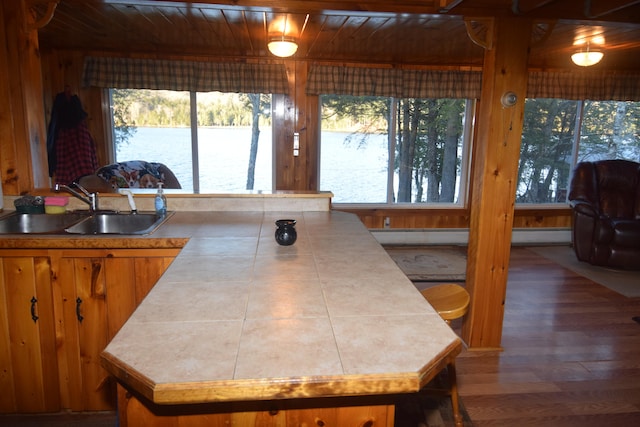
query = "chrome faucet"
{"x": 89, "y": 198}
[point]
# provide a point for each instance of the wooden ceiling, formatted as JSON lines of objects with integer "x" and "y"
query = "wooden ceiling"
{"x": 399, "y": 32}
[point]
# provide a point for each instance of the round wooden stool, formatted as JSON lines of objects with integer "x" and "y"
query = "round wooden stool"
{"x": 451, "y": 301}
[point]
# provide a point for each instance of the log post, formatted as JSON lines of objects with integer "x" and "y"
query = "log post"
{"x": 494, "y": 179}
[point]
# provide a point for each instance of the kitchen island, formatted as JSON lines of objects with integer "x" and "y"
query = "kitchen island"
{"x": 242, "y": 331}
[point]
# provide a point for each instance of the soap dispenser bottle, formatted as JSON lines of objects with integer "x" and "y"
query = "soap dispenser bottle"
{"x": 161, "y": 201}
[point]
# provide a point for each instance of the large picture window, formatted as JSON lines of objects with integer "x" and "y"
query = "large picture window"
{"x": 395, "y": 151}
{"x": 213, "y": 142}
{"x": 559, "y": 133}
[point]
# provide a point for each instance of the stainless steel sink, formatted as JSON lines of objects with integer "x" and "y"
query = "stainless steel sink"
{"x": 82, "y": 222}
{"x": 118, "y": 223}
{"x": 17, "y": 223}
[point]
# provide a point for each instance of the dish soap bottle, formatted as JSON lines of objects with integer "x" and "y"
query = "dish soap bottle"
{"x": 161, "y": 201}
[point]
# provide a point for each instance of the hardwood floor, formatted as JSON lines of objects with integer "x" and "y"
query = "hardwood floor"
{"x": 570, "y": 358}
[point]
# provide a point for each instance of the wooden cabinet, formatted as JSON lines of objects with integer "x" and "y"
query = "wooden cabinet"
{"x": 28, "y": 339}
{"x": 347, "y": 412}
{"x": 81, "y": 298}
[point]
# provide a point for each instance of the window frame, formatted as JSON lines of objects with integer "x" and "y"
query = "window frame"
{"x": 471, "y": 109}
{"x": 193, "y": 130}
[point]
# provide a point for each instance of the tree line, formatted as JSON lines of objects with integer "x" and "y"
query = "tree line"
{"x": 428, "y": 134}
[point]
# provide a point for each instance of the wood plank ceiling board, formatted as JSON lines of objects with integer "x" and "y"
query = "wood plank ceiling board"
{"x": 396, "y": 33}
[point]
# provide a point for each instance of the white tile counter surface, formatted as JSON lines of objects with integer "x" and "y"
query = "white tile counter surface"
{"x": 237, "y": 317}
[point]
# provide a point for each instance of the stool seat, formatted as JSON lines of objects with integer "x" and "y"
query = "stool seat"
{"x": 450, "y": 300}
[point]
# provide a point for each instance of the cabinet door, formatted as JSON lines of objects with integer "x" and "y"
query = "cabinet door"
{"x": 99, "y": 290}
{"x": 28, "y": 372}
{"x": 129, "y": 279}
{"x": 85, "y": 385}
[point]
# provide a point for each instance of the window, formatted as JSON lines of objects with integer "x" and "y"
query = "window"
{"x": 226, "y": 151}
{"x": 559, "y": 133}
{"x": 395, "y": 151}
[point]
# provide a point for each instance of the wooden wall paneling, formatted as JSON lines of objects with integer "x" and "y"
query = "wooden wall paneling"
{"x": 560, "y": 217}
{"x": 286, "y": 166}
{"x": 283, "y": 168}
{"x": 304, "y": 120}
{"x": 7, "y": 137}
{"x": 312, "y": 140}
{"x": 52, "y": 76}
{"x": 31, "y": 75}
{"x": 556, "y": 217}
{"x": 16, "y": 154}
{"x": 95, "y": 102}
{"x": 410, "y": 218}
{"x": 53, "y": 80}
{"x": 62, "y": 68}
{"x": 494, "y": 180}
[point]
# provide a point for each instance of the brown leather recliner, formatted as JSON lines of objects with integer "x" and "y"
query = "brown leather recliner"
{"x": 605, "y": 199}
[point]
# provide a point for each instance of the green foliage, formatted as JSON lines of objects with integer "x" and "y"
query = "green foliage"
{"x": 545, "y": 153}
{"x": 160, "y": 108}
{"x": 609, "y": 130}
{"x": 428, "y": 133}
{"x": 123, "y": 124}
{"x": 358, "y": 114}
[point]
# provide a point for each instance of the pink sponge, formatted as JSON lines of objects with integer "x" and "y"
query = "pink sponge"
{"x": 56, "y": 201}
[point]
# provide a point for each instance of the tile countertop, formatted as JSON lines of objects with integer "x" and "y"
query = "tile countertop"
{"x": 237, "y": 317}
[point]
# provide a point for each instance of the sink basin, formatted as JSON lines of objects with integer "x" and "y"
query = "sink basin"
{"x": 17, "y": 223}
{"x": 118, "y": 223}
{"x": 82, "y": 222}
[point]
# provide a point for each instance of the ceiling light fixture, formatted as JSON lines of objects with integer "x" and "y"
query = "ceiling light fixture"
{"x": 282, "y": 45}
{"x": 587, "y": 58}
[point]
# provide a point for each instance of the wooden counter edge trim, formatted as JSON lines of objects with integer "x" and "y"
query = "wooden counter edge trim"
{"x": 288, "y": 388}
{"x": 448, "y": 355}
{"x": 277, "y": 388}
{"x": 87, "y": 242}
{"x": 127, "y": 376}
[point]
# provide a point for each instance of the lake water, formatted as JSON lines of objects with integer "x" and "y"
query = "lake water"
{"x": 353, "y": 172}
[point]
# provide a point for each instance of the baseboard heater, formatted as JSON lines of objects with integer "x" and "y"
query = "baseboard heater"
{"x": 460, "y": 236}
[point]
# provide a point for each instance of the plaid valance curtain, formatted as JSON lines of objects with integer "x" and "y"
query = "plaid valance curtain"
{"x": 137, "y": 73}
{"x": 393, "y": 82}
{"x": 341, "y": 80}
{"x": 578, "y": 85}
{"x": 199, "y": 76}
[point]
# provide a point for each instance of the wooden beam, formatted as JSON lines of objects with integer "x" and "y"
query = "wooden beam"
{"x": 494, "y": 180}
